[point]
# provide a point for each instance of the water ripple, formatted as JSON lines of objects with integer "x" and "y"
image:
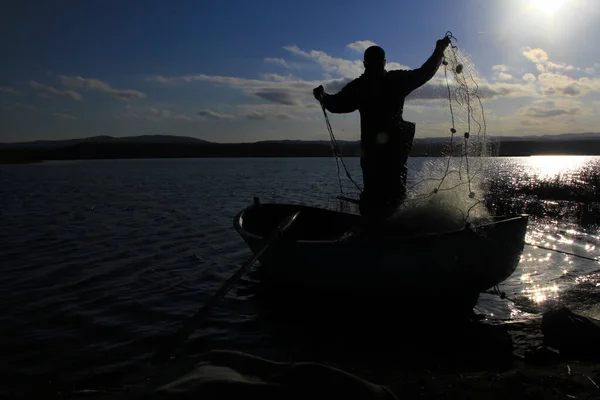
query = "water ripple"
{"x": 101, "y": 259}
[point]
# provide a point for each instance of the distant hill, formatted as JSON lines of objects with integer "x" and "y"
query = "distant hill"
{"x": 171, "y": 139}
{"x": 560, "y": 136}
{"x": 55, "y": 144}
{"x": 166, "y": 146}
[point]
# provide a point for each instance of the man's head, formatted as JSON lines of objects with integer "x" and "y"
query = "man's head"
{"x": 374, "y": 59}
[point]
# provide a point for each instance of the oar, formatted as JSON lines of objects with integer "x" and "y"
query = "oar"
{"x": 193, "y": 323}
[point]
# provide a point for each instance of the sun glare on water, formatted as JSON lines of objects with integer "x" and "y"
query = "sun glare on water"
{"x": 549, "y": 167}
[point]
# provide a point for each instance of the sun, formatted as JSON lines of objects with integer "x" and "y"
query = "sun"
{"x": 547, "y": 6}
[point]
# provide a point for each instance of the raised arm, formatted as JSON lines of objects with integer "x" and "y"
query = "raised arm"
{"x": 345, "y": 101}
{"x": 418, "y": 77}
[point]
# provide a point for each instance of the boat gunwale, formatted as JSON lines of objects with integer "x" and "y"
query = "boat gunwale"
{"x": 383, "y": 240}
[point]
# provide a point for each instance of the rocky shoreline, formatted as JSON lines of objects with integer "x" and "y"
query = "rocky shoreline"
{"x": 555, "y": 357}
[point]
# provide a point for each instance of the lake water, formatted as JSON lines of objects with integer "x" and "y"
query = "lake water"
{"x": 102, "y": 259}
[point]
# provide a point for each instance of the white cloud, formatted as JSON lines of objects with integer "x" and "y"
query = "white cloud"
{"x": 436, "y": 89}
{"x": 543, "y": 64}
{"x": 161, "y": 112}
{"x": 290, "y": 97}
{"x": 552, "y": 81}
{"x": 274, "y": 60}
{"x": 63, "y": 116}
{"x": 290, "y": 91}
{"x": 280, "y": 96}
{"x": 501, "y": 72}
{"x": 277, "y": 77}
{"x": 268, "y": 111}
{"x": 502, "y": 76}
{"x": 394, "y": 65}
{"x": 78, "y": 82}
{"x": 552, "y": 66}
{"x": 11, "y": 91}
{"x": 335, "y": 85}
{"x": 255, "y": 115}
{"x": 557, "y": 84}
{"x": 500, "y": 68}
{"x": 211, "y": 114}
{"x": 227, "y": 80}
{"x": 338, "y": 66}
{"x": 128, "y": 94}
{"x": 535, "y": 55}
{"x": 548, "y": 109}
{"x": 361, "y": 45}
{"x": 49, "y": 91}
{"x": 280, "y": 61}
{"x": 18, "y": 106}
{"x": 286, "y": 90}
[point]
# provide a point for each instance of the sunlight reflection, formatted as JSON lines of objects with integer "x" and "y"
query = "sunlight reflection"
{"x": 536, "y": 264}
{"x": 515, "y": 313}
{"x": 545, "y": 274}
{"x": 590, "y": 247}
{"x": 539, "y": 294}
{"x": 591, "y": 278}
{"x": 547, "y": 167}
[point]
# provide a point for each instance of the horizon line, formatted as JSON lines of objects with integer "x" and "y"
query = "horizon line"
{"x": 283, "y": 140}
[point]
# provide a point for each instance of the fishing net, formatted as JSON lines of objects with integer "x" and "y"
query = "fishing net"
{"x": 448, "y": 191}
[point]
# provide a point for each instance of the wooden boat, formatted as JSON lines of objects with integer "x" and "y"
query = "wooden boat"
{"x": 316, "y": 254}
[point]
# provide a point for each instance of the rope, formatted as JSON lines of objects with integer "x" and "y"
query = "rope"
{"x": 564, "y": 252}
{"x": 503, "y": 294}
{"x": 333, "y": 145}
{"x": 337, "y": 153}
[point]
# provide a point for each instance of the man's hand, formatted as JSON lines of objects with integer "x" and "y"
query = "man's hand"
{"x": 442, "y": 43}
{"x": 318, "y": 92}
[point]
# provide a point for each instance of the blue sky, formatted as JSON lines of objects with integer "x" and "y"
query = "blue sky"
{"x": 240, "y": 71}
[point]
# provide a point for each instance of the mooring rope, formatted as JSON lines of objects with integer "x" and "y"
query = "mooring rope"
{"x": 503, "y": 295}
{"x": 597, "y": 259}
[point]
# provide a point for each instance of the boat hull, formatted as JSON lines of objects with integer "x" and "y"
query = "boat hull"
{"x": 312, "y": 256}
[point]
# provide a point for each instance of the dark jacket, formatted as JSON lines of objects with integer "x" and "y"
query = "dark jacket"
{"x": 380, "y": 100}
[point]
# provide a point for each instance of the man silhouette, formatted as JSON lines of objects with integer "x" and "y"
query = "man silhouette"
{"x": 386, "y": 139}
